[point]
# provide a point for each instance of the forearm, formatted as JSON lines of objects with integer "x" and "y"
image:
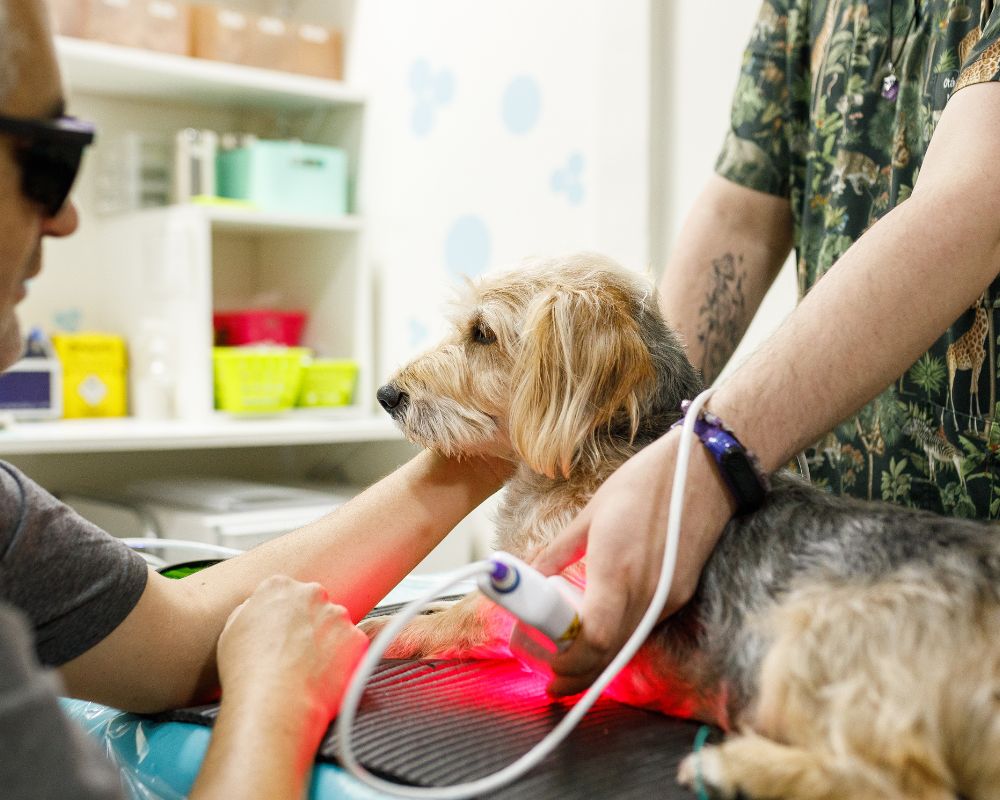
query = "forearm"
{"x": 730, "y": 249}
{"x": 263, "y": 749}
{"x": 163, "y": 654}
{"x": 884, "y": 303}
{"x": 363, "y": 549}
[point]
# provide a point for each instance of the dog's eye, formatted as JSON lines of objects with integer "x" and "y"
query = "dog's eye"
{"x": 481, "y": 334}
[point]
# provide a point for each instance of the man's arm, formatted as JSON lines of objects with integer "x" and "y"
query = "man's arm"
{"x": 887, "y": 299}
{"x": 163, "y": 654}
{"x": 881, "y": 305}
{"x": 731, "y": 247}
{"x": 285, "y": 657}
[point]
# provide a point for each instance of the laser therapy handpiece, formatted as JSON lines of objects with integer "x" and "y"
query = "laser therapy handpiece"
{"x": 549, "y": 605}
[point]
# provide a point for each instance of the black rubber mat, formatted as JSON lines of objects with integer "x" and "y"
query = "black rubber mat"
{"x": 435, "y": 723}
{"x": 430, "y": 723}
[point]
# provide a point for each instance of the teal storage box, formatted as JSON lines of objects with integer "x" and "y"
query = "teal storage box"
{"x": 285, "y": 176}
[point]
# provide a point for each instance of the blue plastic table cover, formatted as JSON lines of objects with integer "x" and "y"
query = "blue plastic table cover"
{"x": 159, "y": 760}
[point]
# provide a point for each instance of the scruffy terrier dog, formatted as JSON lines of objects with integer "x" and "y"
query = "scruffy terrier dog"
{"x": 851, "y": 649}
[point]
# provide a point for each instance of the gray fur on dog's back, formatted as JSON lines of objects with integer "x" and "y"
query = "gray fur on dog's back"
{"x": 804, "y": 535}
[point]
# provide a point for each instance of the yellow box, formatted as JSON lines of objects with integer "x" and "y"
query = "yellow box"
{"x": 257, "y": 379}
{"x": 328, "y": 382}
{"x": 95, "y": 374}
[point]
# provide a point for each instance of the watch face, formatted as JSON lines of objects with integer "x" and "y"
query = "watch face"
{"x": 741, "y": 472}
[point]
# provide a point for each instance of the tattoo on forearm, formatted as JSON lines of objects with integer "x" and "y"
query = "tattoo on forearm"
{"x": 722, "y": 317}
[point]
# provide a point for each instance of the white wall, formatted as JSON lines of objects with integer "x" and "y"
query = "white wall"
{"x": 706, "y": 47}
{"x": 456, "y": 181}
{"x": 496, "y": 131}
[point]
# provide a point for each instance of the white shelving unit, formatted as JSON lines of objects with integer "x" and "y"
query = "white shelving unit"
{"x": 98, "y": 68}
{"x": 227, "y": 219}
{"x": 179, "y": 263}
{"x": 218, "y": 431}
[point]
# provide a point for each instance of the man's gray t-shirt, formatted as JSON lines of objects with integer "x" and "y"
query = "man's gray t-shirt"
{"x": 42, "y": 754}
{"x": 74, "y": 582}
{"x": 64, "y": 585}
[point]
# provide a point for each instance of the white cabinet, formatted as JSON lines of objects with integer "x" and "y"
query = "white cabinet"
{"x": 176, "y": 264}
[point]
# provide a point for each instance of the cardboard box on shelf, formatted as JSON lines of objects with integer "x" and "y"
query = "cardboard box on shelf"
{"x": 161, "y": 25}
{"x": 220, "y": 34}
{"x": 318, "y": 52}
{"x": 167, "y": 27}
{"x": 239, "y": 37}
{"x": 68, "y": 16}
{"x": 268, "y": 42}
{"x": 273, "y": 44}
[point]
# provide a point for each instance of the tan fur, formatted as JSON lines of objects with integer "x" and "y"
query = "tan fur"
{"x": 843, "y": 712}
{"x": 544, "y": 394}
{"x": 574, "y": 376}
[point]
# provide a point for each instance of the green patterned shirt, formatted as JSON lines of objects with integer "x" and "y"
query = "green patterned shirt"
{"x": 810, "y": 123}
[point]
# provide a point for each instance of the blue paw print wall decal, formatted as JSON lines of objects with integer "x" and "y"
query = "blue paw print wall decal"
{"x": 467, "y": 247}
{"x": 568, "y": 179}
{"x": 522, "y": 104}
{"x": 432, "y": 91}
{"x": 68, "y": 320}
{"x": 417, "y": 332}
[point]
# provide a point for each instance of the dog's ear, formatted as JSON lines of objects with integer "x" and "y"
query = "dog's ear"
{"x": 581, "y": 366}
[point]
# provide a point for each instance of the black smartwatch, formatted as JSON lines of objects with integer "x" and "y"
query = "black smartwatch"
{"x": 747, "y": 483}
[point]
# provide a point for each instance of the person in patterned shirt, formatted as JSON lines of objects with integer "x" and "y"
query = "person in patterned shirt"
{"x": 863, "y": 136}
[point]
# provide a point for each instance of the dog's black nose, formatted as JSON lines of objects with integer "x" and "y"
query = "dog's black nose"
{"x": 390, "y": 398}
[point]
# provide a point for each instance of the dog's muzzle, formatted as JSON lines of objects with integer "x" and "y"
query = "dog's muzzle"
{"x": 392, "y": 400}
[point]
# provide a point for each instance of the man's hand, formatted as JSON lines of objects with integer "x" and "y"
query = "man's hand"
{"x": 284, "y": 658}
{"x": 289, "y": 641}
{"x": 622, "y": 531}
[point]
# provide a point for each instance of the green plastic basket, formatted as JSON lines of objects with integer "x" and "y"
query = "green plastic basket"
{"x": 328, "y": 382}
{"x": 257, "y": 380}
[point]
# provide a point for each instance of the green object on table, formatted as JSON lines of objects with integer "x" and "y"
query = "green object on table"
{"x": 699, "y": 741}
{"x": 178, "y": 571}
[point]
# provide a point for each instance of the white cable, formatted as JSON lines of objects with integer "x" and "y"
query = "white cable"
{"x": 803, "y": 466}
{"x": 510, "y": 773}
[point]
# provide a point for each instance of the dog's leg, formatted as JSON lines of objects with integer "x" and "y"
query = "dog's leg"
{"x": 755, "y": 767}
{"x": 471, "y": 628}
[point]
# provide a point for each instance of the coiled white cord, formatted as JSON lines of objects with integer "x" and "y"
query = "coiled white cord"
{"x": 510, "y": 773}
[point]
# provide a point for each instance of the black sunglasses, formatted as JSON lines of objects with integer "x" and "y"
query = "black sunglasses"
{"x": 49, "y": 152}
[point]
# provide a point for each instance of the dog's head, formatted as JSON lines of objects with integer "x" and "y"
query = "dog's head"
{"x": 552, "y": 364}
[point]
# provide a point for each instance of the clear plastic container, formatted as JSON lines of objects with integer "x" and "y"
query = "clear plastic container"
{"x": 134, "y": 171}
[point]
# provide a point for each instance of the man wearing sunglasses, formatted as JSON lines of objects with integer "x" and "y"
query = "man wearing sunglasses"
{"x": 75, "y": 599}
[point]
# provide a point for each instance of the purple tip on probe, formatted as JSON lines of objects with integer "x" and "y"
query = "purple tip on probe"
{"x": 503, "y": 576}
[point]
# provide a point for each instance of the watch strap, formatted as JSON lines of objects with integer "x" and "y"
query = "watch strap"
{"x": 748, "y": 484}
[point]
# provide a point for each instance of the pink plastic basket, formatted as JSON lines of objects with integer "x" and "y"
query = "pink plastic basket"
{"x": 258, "y": 326}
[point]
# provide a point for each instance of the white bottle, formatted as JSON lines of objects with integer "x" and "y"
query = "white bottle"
{"x": 154, "y": 381}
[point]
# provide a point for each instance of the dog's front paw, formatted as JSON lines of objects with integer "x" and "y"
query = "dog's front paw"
{"x": 373, "y": 626}
{"x": 467, "y": 629}
{"x": 704, "y": 772}
{"x": 443, "y": 636}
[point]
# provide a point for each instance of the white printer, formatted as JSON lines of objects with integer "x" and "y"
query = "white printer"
{"x": 230, "y": 513}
